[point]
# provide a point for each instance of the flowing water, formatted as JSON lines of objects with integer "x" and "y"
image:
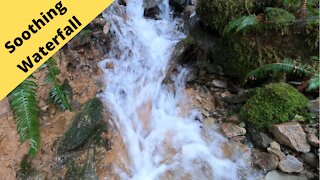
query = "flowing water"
{"x": 161, "y": 141}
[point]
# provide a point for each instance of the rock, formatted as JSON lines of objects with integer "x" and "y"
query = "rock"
{"x": 83, "y": 126}
{"x": 291, "y": 134}
{"x": 290, "y": 165}
{"x": 4, "y": 107}
{"x": 147, "y": 4}
{"x": 232, "y": 130}
{"x": 177, "y": 56}
{"x": 264, "y": 161}
{"x": 241, "y": 97}
{"x": 83, "y": 38}
{"x": 275, "y": 145}
{"x": 260, "y": 139}
{"x": 280, "y": 155}
{"x": 220, "y": 84}
{"x": 311, "y": 159}
{"x": 106, "y": 28}
{"x": 314, "y": 106}
{"x": 233, "y": 119}
{"x": 313, "y": 140}
{"x": 277, "y": 175}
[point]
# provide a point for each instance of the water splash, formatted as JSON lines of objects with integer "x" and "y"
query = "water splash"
{"x": 160, "y": 142}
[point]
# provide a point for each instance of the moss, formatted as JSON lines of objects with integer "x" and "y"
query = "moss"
{"x": 217, "y": 13}
{"x": 272, "y": 104}
{"x": 83, "y": 126}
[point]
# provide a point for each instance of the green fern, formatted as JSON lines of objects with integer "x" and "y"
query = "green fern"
{"x": 279, "y": 16}
{"x": 57, "y": 93}
{"x": 26, "y": 113}
{"x": 288, "y": 66}
{"x": 240, "y": 24}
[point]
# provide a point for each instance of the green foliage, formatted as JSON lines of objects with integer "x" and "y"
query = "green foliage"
{"x": 272, "y": 104}
{"x": 83, "y": 126}
{"x": 279, "y": 16}
{"x": 57, "y": 94}
{"x": 240, "y": 24}
{"x": 26, "y": 113}
{"x": 288, "y": 66}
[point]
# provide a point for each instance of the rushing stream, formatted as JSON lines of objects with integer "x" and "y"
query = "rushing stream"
{"x": 161, "y": 142}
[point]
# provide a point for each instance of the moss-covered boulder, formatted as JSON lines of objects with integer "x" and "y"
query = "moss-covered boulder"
{"x": 217, "y": 13}
{"x": 245, "y": 52}
{"x": 272, "y": 104}
{"x": 280, "y": 32}
{"x": 84, "y": 126}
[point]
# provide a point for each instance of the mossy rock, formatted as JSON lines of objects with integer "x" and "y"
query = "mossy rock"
{"x": 245, "y": 52}
{"x": 83, "y": 126}
{"x": 217, "y": 13}
{"x": 272, "y": 104}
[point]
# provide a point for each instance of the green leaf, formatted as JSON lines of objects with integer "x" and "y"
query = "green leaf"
{"x": 26, "y": 113}
{"x": 57, "y": 93}
{"x": 288, "y": 66}
{"x": 279, "y": 16}
{"x": 240, "y": 24}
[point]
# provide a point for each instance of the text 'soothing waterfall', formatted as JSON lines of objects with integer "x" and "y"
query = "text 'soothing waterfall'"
{"x": 159, "y": 141}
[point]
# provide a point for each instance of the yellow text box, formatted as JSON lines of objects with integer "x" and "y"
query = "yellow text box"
{"x": 32, "y": 31}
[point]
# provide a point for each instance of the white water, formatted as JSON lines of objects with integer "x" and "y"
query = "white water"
{"x": 160, "y": 142}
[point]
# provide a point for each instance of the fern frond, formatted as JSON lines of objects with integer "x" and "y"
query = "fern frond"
{"x": 56, "y": 92}
{"x": 240, "y": 24}
{"x": 279, "y": 16}
{"x": 314, "y": 83}
{"x": 286, "y": 67}
{"x": 26, "y": 113}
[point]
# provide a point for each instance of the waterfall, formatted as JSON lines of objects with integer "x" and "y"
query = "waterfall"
{"x": 161, "y": 143}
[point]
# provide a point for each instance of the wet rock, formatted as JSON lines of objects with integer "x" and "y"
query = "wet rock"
{"x": 277, "y": 175}
{"x": 264, "y": 161}
{"x": 147, "y": 4}
{"x": 83, "y": 38}
{"x": 313, "y": 140}
{"x": 220, "y": 84}
{"x": 260, "y": 139}
{"x": 83, "y": 126}
{"x": 280, "y": 155}
{"x": 290, "y": 165}
{"x": 232, "y": 130}
{"x": 275, "y": 145}
{"x": 291, "y": 134}
{"x": 106, "y": 28}
{"x": 311, "y": 159}
{"x": 177, "y": 56}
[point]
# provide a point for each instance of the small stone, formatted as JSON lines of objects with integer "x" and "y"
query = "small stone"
{"x": 264, "y": 161}
{"x": 290, "y": 165}
{"x": 310, "y": 159}
{"x": 314, "y": 106}
{"x": 239, "y": 139}
{"x": 313, "y": 140}
{"x": 261, "y": 140}
{"x": 280, "y": 155}
{"x": 275, "y": 145}
{"x": 234, "y": 119}
{"x": 220, "y": 84}
{"x": 232, "y": 130}
{"x": 291, "y": 134}
{"x": 106, "y": 28}
{"x": 277, "y": 175}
